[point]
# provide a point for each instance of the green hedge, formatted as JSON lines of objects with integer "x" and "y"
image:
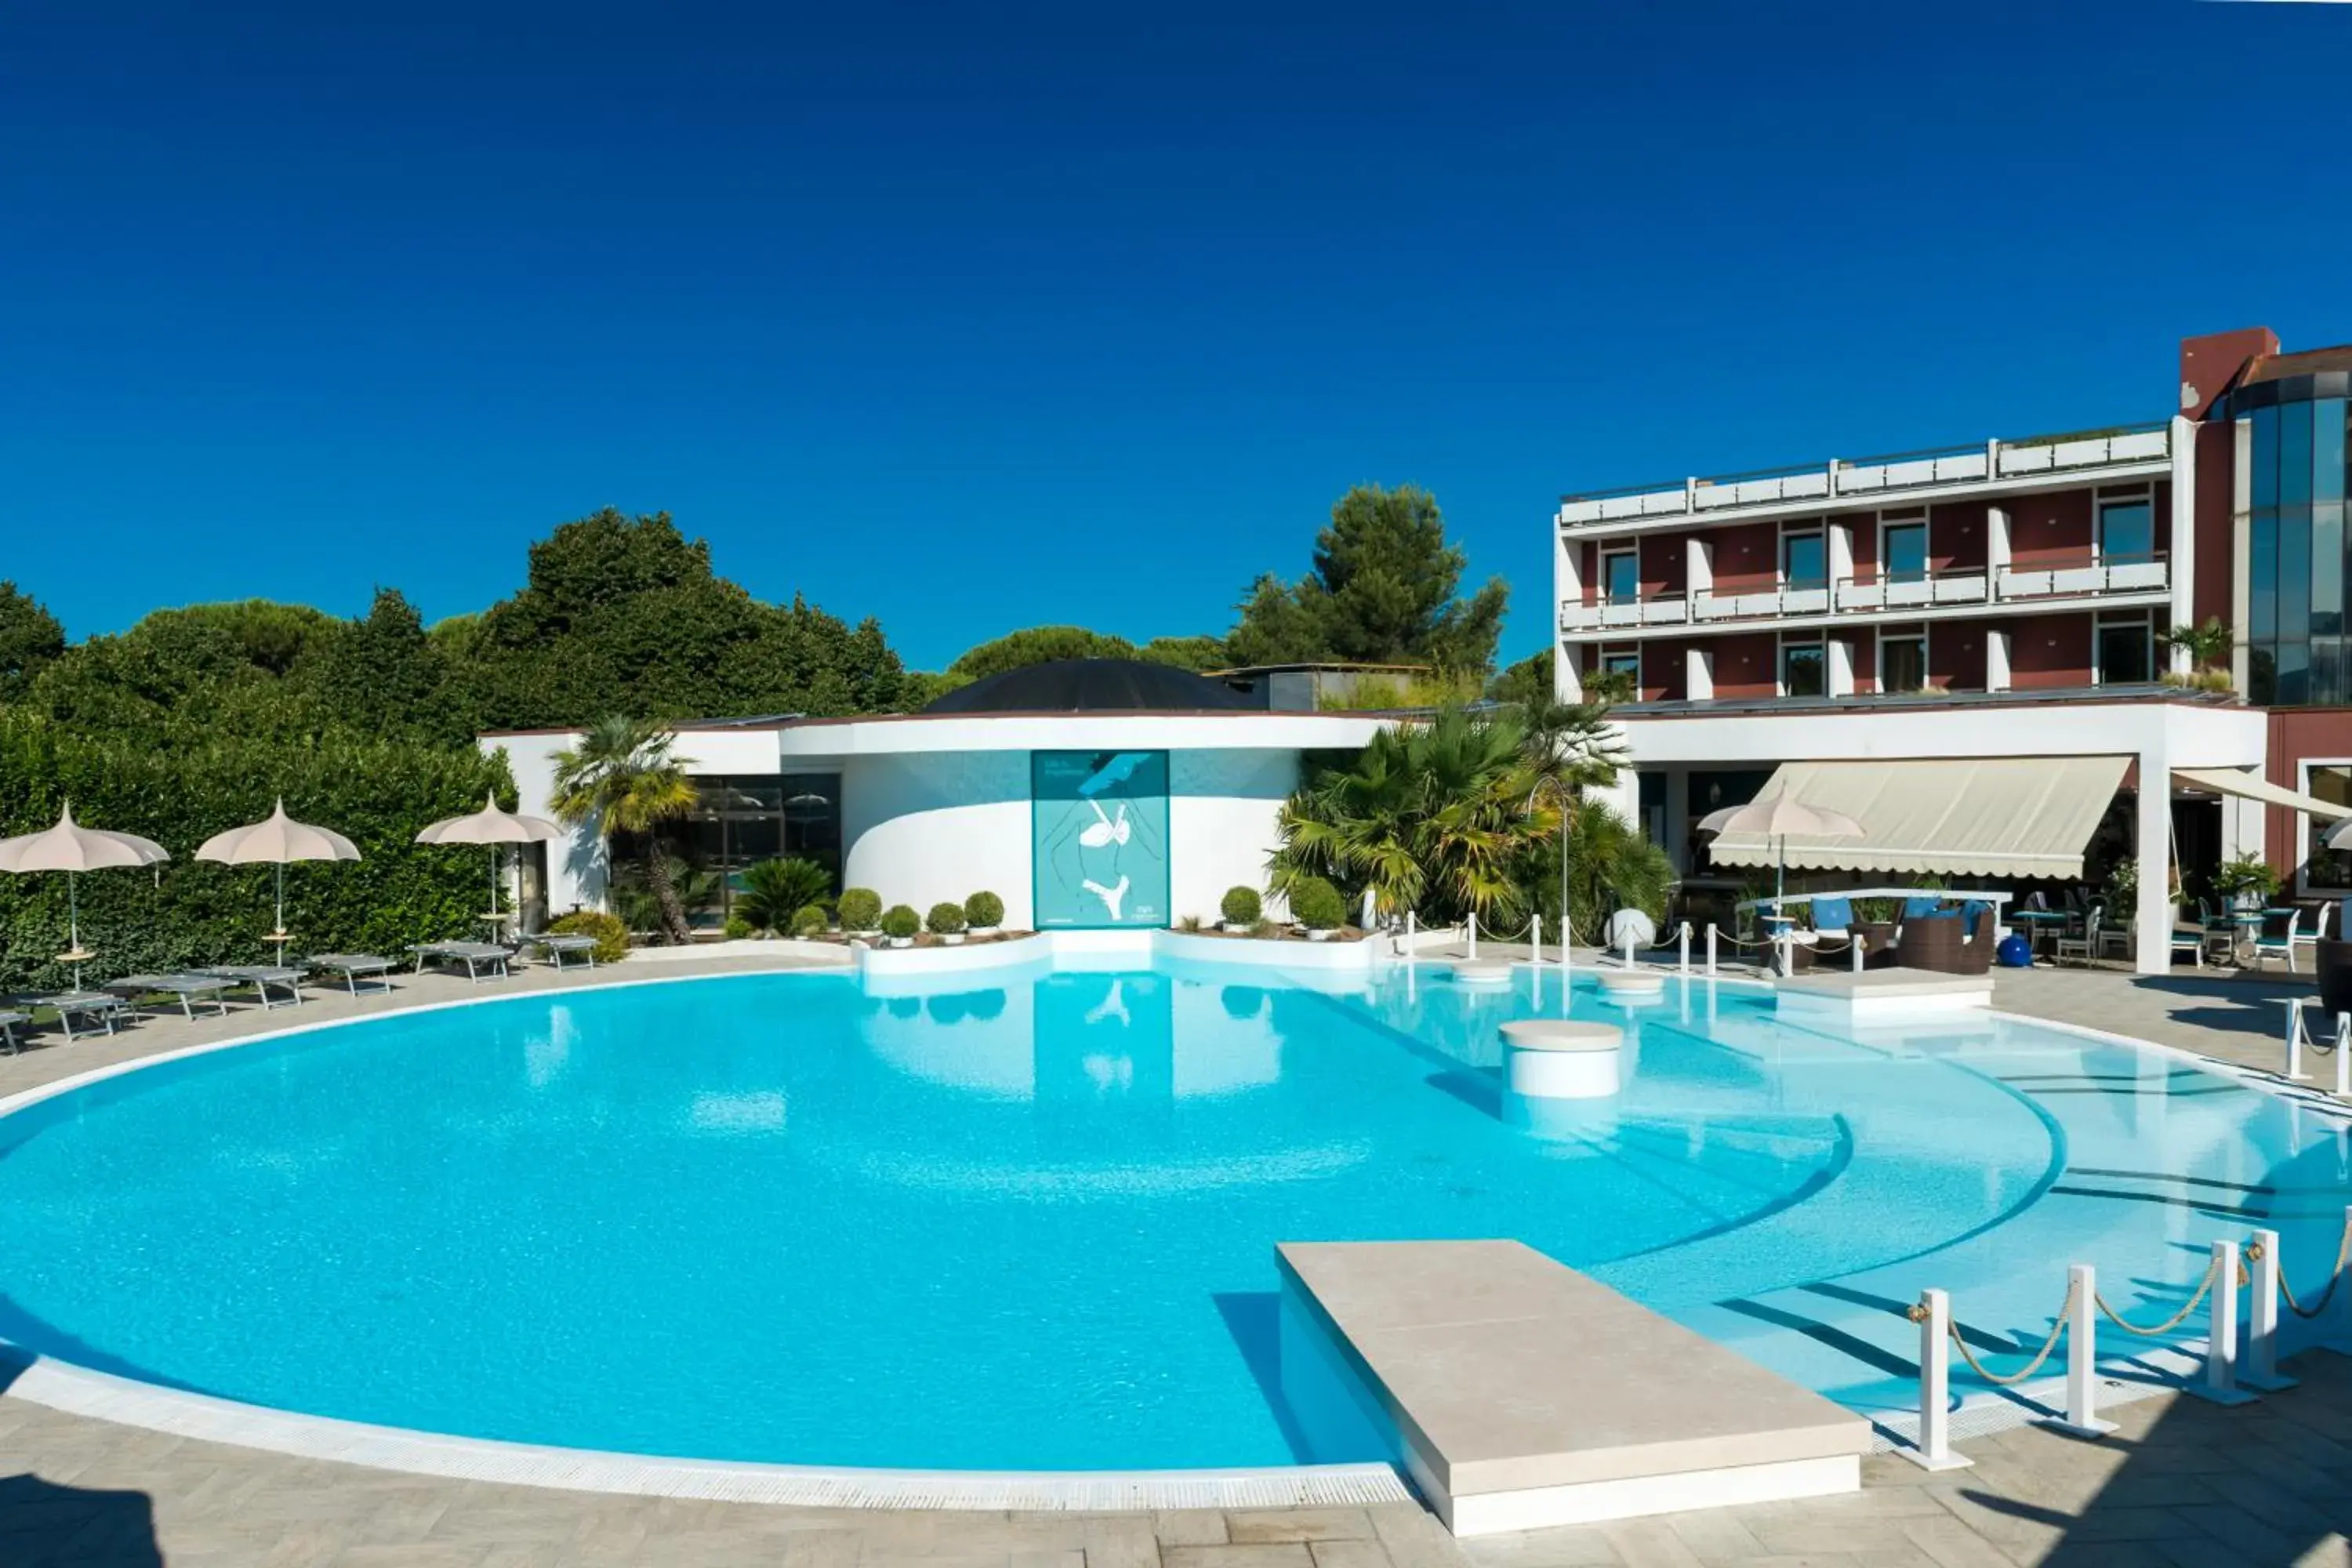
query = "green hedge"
{"x": 188, "y": 911}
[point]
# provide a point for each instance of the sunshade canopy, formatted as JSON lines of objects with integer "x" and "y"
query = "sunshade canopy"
{"x": 1983, "y": 816}
{"x": 1776, "y": 815}
{"x": 70, "y": 846}
{"x": 276, "y": 839}
{"x": 490, "y": 826}
{"x": 2253, "y": 786}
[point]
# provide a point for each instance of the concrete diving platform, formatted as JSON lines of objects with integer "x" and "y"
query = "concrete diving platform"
{"x": 1881, "y": 994}
{"x": 1519, "y": 1393}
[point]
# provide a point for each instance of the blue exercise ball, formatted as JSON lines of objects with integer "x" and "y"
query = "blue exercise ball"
{"x": 2015, "y": 952}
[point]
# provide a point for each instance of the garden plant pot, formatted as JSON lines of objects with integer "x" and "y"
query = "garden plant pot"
{"x": 899, "y": 941}
{"x": 952, "y": 938}
{"x": 1318, "y": 935}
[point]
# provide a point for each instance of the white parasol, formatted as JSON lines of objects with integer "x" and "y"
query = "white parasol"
{"x": 72, "y": 848}
{"x": 275, "y": 840}
{"x": 492, "y": 826}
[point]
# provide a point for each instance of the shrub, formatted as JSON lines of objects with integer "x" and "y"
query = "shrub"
{"x": 1317, "y": 904}
{"x": 611, "y": 933}
{"x": 900, "y": 921}
{"x": 1242, "y": 906}
{"x": 983, "y": 910}
{"x": 861, "y": 909}
{"x": 737, "y": 929}
{"x": 945, "y": 920}
{"x": 775, "y": 890}
{"x": 810, "y": 922}
{"x": 1190, "y": 922}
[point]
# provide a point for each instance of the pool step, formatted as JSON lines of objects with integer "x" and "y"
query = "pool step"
{"x": 1518, "y": 1392}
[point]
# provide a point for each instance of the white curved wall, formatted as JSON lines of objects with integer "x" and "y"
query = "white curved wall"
{"x": 922, "y": 827}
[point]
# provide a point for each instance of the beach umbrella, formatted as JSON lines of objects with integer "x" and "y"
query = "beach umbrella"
{"x": 492, "y": 826}
{"x": 72, "y": 848}
{"x": 275, "y": 840}
{"x": 1776, "y": 817}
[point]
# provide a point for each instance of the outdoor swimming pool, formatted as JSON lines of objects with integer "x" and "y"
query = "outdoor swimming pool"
{"x": 1025, "y": 1220}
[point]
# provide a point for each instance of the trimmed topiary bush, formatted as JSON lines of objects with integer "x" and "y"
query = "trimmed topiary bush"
{"x": 1317, "y": 905}
{"x": 861, "y": 909}
{"x": 1242, "y": 907}
{"x": 983, "y": 911}
{"x": 945, "y": 920}
{"x": 810, "y": 922}
{"x": 900, "y": 922}
{"x": 611, "y": 933}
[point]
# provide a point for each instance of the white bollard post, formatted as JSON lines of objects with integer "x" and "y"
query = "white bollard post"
{"x": 2294, "y": 1031}
{"x": 1686, "y": 947}
{"x": 1474, "y": 933}
{"x": 2082, "y": 1356}
{"x": 2344, "y": 1056}
{"x": 2341, "y": 1344}
{"x": 1535, "y": 937}
{"x": 2262, "y": 1371}
{"x": 1935, "y": 1449}
{"x": 1628, "y": 943}
{"x": 1408, "y": 933}
{"x": 2220, "y": 1383}
{"x": 1854, "y": 946}
{"x": 1710, "y": 949}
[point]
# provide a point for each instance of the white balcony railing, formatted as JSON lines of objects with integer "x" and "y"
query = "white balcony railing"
{"x": 1871, "y": 477}
{"x": 1885, "y": 596}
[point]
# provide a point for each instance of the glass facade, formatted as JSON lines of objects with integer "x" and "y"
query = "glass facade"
{"x": 743, "y": 820}
{"x": 2295, "y": 561}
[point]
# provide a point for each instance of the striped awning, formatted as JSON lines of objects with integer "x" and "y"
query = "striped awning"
{"x": 1980, "y": 817}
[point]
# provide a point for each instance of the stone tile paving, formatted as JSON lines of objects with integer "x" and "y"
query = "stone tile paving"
{"x": 2183, "y": 1485}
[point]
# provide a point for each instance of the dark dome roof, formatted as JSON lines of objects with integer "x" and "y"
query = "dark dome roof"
{"x": 1092, "y": 686}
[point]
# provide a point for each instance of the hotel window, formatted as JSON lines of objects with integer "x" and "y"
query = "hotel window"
{"x": 2325, "y": 870}
{"x": 2127, "y": 529}
{"x": 1903, "y": 658}
{"x": 1623, "y": 667}
{"x": 1902, "y": 547}
{"x": 1804, "y": 669}
{"x": 2123, "y": 652}
{"x": 1621, "y": 577}
{"x": 1804, "y": 560}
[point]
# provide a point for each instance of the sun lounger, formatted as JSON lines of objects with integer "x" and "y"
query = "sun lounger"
{"x": 9, "y": 1023}
{"x": 354, "y": 967}
{"x": 187, "y": 989}
{"x": 261, "y": 977}
{"x": 88, "y": 1005}
{"x": 472, "y": 954}
{"x": 556, "y": 944}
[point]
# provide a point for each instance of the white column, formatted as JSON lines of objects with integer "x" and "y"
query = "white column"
{"x": 1996, "y": 659}
{"x": 1839, "y": 538}
{"x": 1567, "y": 676}
{"x": 1839, "y": 654}
{"x": 1698, "y": 570}
{"x": 1678, "y": 816}
{"x": 2154, "y": 956}
{"x": 1996, "y": 541}
{"x": 2183, "y": 548}
{"x": 1698, "y": 674}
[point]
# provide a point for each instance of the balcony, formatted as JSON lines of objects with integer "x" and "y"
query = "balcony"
{"x": 2040, "y": 585}
{"x": 1864, "y": 480}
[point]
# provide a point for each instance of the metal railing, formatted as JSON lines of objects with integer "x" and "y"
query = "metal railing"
{"x": 1889, "y": 591}
{"x": 1865, "y": 478}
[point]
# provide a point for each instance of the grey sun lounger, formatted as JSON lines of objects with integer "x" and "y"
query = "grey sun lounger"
{"x": 472, "y": 954}
{"x": 100, "y": 1006}
{"x": 557, "y": 944}
{"x": 354, "y": 967}
{"x": 187, "y": 989}
{"x": 261, "y": 977}
{"x": 9, "y": 1023}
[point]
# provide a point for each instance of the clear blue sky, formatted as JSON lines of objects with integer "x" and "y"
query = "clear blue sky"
{"x": 976, "y": 317}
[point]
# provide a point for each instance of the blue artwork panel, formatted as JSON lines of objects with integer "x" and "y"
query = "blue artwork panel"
{"x": 1100, "y": 820}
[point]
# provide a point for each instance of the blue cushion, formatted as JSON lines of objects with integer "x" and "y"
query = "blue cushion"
{"x": 1833, "y": 914}
{"x": 1970, "y": 911}
{"x": 1915, "y": 907}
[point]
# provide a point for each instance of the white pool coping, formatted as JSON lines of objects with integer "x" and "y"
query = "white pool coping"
{"x": 81, "y": 1391}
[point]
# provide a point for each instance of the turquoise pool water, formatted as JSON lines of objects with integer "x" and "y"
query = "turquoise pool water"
{"x": 1027, "y": 1220}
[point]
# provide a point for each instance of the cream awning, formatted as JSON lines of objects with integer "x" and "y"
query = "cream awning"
{"x": 2253, "y": 786}
{"x": 1982, "y": 817}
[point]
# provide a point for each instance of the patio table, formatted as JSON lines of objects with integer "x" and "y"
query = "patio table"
{"x": 2040, "y": 924}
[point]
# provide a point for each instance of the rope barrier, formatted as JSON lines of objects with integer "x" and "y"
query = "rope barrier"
{"x": 2335, "y": 1276}
{"x": 2174, "y": 1322}
{"x": 2066, "y": 1309}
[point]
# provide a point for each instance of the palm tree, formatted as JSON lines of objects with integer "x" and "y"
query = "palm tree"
{"x": 774, "y": 891}
{"x": 1435, "y": 818}
{"x": 623, "y": 777}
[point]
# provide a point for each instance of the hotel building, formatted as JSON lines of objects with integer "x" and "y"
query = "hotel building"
{"x": 1868, "y": 621}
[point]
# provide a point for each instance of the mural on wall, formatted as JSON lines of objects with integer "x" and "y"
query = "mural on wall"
{"x": 1101, "y": 847}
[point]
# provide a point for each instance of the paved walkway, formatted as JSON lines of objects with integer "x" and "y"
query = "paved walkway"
{"x": 2184, "y": 1484}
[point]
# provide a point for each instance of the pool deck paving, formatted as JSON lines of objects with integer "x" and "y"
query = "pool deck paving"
{"x": 2182, "y": 1484}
